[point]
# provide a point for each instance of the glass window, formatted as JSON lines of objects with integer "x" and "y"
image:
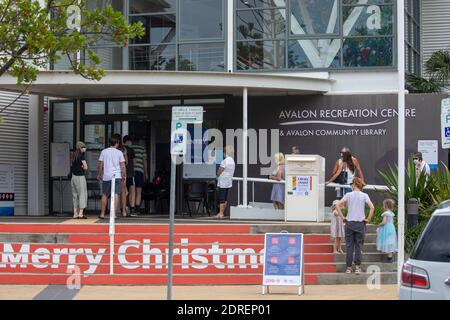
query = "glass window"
{"x": 260, "y": 55}
{"x": 314, "y": 53}
{"x": 260, "y": 3}
{"x": 201, "y": 19}
{"x": 63, "y": 111}
{"x": 118, "y": 107}
{"x": 101, "y": 4}
{"x": 63, "y": 132}
{"x": 370, "y": 20}
{"x": 261, "y": 24}
{"x": 150, "y": 6}
{"x": 94, "y": 136}
{"x": 201, "y": 57}
{"x": 434, "y": 243}
{"x": 314, "y": 17}
{"x": 91, "y": 157}
{"x": 368, "y": 52}
{"x": 161, "y": 57}
{"x": 158, "y": 28}
{"x": 110, "y": 58}
{"x": 94, "y": 108}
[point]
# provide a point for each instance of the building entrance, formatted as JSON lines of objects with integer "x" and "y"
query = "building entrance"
{"x": 148, "y": 124}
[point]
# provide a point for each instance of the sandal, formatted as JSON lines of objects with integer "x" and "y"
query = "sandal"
{"x": 100, "y": 217}
{"x": 82, "y": 217}
{"x": 219, "y": 216}
{"x": 357, "y": 269}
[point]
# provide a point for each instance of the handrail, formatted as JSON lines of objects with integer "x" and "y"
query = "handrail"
{"x": 262, "y": 180}
{"x": 366, "y": 187}
{"x": 374, "y": 187}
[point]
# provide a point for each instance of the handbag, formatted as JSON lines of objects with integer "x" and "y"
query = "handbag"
{"x": 341, "y": 178}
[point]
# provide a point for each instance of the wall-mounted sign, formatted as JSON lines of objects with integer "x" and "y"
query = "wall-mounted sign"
{"x": 429, "y": 149}
{"x": 6, "y": 190}
{"x": 445, "y": 123}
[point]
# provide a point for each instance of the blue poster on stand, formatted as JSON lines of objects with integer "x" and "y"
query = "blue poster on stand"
{"x": 283, "y": 259}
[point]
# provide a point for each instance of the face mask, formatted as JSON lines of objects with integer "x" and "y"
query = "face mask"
{"x": 416, "y": 161}
{"x": 83, "y": 150}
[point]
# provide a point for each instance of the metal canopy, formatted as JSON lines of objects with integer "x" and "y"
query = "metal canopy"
{"x": 66, "y": 84}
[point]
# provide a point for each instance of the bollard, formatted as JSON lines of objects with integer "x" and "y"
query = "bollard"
{"x": 413, "y": 212}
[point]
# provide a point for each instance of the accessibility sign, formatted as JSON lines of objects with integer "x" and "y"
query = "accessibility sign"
{"x": 445, "y": 123}
{"x": 181, "y": 117}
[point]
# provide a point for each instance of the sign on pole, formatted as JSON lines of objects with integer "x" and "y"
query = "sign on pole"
{"x": 181, "y": 116}
{"x": 445, "y": 123}
{"x": 283, "y": 260}
{"x": 6, "y": 190}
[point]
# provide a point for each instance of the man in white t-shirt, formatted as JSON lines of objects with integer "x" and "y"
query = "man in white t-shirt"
{"x": 111, "y": 163}
{"x": 225, "y": 180}
{"x": 355, "y": 222}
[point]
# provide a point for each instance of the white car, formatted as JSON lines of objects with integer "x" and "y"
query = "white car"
{"x": 426, "y": 274}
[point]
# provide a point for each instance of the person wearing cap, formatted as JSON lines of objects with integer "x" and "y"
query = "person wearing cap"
{"x": 421, "y": 165}
{"x": 355, "y": 222}
{"x": 78, "y": 182}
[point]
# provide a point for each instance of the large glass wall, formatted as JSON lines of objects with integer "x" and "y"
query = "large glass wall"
{"x": 186, "y": 35}
{"x": 319, "y": 34}
{"x": 412, "y": 36}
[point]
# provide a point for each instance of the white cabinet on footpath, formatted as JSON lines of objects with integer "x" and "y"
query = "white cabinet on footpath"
{"x": 305, "y": 188}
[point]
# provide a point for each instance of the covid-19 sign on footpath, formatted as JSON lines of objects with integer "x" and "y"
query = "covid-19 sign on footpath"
{"x": 283, "y": 261}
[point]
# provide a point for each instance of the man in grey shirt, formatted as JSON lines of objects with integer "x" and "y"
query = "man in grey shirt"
{"x": 355, "y": 222}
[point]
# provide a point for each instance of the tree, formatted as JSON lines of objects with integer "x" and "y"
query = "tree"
{"x": 437, "y": 71}
{"x": 35, "y": 33}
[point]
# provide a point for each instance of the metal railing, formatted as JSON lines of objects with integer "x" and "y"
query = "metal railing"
{"x": 253, "y": 180}
{"x": 373, "y": 187}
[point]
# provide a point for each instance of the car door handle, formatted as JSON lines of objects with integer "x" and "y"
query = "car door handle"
{"x": 447, "y": 282}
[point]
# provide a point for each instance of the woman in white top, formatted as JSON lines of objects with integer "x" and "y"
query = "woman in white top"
{"x": 225, "y": 180}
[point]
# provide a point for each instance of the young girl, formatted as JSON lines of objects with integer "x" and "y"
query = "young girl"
{"x": 337, "y": 229}
{"x": 386, "y": 234}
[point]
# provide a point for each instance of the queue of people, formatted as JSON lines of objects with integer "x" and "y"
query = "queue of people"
{"x": 122, "y": 160}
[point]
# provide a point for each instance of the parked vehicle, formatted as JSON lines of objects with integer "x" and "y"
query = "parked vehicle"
{"x": 426, "y": 274}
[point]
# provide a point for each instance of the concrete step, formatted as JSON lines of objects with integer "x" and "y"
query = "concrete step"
{"x": 363, "y": 278}
{"x": 323, "y": 228}
{"x": 383, "y": 266}
{"x": 367, "y": 257}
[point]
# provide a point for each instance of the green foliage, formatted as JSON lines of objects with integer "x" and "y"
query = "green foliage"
{"x": 430, "y": 192}
{"x": 437, "y": 71}
{"x": 415, "y": 187}
{"x": 412, "y": 234}
{"x": 33, "y": 35}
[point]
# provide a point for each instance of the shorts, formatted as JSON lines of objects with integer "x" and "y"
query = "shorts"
{"x": 138, "y": 179}
{"x": 106, "y": 187}
{"x": 130, "y": 183}
{"x": 222, "y": 195}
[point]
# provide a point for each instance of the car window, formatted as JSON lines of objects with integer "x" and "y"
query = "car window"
{"x": 434, "y": 244}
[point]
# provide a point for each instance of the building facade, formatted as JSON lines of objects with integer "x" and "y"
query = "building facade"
{"x": 310, "y": 55}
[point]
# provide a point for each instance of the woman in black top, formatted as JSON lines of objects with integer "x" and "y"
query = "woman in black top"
{"x": 78, "y": 182}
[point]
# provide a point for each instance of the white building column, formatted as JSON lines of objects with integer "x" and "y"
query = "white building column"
{"x": 245, "y": 147}
{"x": 35, "y": 156}
{"x": 230, "y": 35}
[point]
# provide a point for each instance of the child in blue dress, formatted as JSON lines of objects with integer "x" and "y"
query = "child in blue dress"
{"x": 386, "y": 234}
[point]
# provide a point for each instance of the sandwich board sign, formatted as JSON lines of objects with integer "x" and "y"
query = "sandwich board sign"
{"x": 283, "y": 261}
